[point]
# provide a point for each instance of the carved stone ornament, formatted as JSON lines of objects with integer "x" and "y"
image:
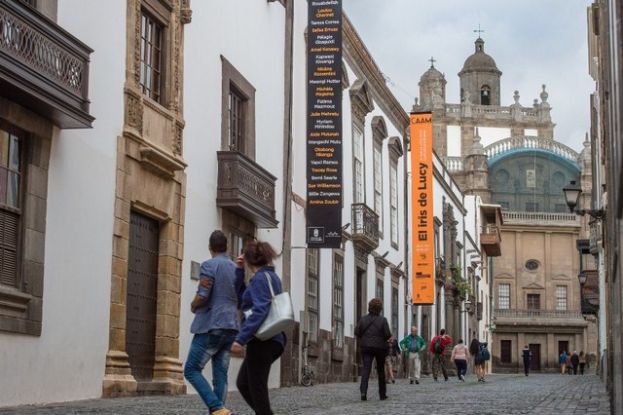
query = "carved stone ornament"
{"x": 137, "y": 42}
{"x": 186, "y": 13}
{"x": 134, "y": 112}
{"x": 177, "y": 139}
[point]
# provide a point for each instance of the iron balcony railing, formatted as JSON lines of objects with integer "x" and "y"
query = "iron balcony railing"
{"x": 365, "y": 225}
{"x": 533, "y": 314}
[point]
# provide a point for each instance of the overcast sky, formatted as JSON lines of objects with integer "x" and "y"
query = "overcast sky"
{"x": 533, "y": 42}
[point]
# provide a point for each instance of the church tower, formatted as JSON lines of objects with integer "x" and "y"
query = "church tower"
{"x": 480, "y": 78}
{"x": 433, "y": 98}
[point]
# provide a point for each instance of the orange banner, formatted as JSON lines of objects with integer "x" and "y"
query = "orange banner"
{"x": 422, "y": 214}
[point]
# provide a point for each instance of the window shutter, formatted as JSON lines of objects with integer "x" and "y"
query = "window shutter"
{"x": 9, "y": 225}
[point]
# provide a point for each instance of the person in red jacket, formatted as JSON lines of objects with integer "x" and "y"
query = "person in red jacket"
{"x": 437, "y": 348}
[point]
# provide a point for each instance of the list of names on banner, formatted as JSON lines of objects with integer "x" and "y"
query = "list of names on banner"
{"x": 324, "y": 124}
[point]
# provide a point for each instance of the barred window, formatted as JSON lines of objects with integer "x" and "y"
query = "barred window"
{"x": 561, "y": 297}
{"x": 313, "y": 267}
{"x": 504, "y": 296}
{"x": 151, "y": 57}
{"x": 10, "y": 208}
{"x": 338, "y": 301}
{"x": 534, "y": 301}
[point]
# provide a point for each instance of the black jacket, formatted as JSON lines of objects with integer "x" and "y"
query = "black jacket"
{"x": 527, "y": 355}
{"x": 575, "y": 359}
{"x": 373, "y": 332}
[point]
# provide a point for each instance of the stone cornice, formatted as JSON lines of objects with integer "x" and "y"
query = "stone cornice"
{"x": 364, "y": 66}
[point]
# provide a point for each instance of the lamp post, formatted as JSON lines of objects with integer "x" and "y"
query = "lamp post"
{"x": 572, "y": 193}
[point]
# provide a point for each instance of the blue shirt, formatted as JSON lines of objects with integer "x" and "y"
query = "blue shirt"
{"x": 258, "y": 299}
{"x": 221, "y": 309}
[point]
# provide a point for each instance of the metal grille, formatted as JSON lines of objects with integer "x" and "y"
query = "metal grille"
{"x": 236, "y": 120}
{"x": 338, "y": 301}
{"x": 504, "y": 296}
{"x": 534, "y": 301}
{"x": 142, "y": 295}
{"x": 25, "y": 42}
{"x": 151, "y": 59}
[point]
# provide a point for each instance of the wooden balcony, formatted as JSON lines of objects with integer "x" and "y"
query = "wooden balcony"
{"x": 43, "y": 67}
{"x": 365, "y": 225}
{"x": 246, "y": 189}
{"x": 490, "y": 240}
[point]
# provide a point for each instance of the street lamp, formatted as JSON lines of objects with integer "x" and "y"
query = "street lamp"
{"x": 572, "y": 193}
{"x": 582, "y": 276}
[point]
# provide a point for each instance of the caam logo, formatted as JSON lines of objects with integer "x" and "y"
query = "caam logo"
{"x": 415, "y": 120}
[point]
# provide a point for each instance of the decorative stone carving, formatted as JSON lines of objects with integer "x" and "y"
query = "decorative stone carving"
{"x": 137, "y": 42}
{"x": 177, "y": 139}
{"x": 186, "y": 13}
{"x": 134, "y": 112}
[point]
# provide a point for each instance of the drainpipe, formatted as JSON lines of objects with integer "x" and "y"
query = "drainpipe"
{"x": 405, "y": 158}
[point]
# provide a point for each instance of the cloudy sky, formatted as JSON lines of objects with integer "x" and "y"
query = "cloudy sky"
{"x": 533, "y": 42}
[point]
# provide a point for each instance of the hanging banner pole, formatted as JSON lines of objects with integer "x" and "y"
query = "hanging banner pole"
{"x": 422, "y": 213}
{"x": 324, "y": 124}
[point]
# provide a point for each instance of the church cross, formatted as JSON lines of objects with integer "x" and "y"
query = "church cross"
{"x": 432, "y": 62}
{"x": 479, "y": 31}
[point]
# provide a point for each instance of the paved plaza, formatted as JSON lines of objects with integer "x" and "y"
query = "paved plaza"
{"x": 501, "y": 394}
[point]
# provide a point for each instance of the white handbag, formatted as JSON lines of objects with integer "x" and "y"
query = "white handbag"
{"x": 280, "y": 316}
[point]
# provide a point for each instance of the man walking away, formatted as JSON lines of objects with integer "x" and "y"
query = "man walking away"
{"x": 413, "y": 345}
{"x": 438, "y": 347}
{"x": 575, "y": 362}
{"x": 562, "y": 360}
{"x": 582, "y": 362}
{"x": 215, "y": 324}
{"x": 527, "y": 358}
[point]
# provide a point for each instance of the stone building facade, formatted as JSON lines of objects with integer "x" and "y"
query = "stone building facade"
{"x": 522, "y": 169}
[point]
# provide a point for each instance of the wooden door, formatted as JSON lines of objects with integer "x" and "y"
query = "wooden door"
{"x": 142, "y": 295}
{"x": 535, "y": 363}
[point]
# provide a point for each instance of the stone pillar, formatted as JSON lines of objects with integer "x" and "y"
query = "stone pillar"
{"x": 551, "y": 361}
{"x": 521, "y": 342}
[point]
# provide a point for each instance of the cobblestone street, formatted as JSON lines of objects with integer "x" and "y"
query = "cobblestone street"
{"x": 507, "y": 394}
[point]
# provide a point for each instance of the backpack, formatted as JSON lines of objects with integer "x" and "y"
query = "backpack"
{"x": 484, "y": 353}
{"x": 438, "y": 347}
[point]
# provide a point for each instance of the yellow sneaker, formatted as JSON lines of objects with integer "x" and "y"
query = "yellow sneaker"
{"x": 222, "y": 411}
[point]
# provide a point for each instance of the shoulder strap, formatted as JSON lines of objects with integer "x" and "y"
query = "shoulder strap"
{"x": 270, "y": 285}
{"x": 367, "y": 327}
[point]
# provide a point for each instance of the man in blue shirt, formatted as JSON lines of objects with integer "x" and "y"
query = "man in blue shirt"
{"x": 215, "y": 325}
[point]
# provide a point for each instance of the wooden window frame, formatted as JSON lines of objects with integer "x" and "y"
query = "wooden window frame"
{"x": 530, "y": 303}
{"x": 160, "y": 12}
{"x": 359, "y": 129}
{"x": 393, "y": 208}
{"x": 310, "y": 275}
{"x": 233, "y": 79}
{"x": 378, "y": 179}
{"x": 338, "y": 290}
{"x": 558, "y": 298}
{"x": 500, "y": 306}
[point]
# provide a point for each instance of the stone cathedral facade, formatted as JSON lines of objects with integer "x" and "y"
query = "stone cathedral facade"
{"x": 534, "y": 287}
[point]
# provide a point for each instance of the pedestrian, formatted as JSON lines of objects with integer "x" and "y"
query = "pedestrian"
{"x": 568, "y": 364}
{"x": 215, "y": 324}
{"x": 479, "y": 361}
{"x": 438, "y": 347}
{"x": 526, "y": 354}
{"x": 255, "y": 304}
{"x": 373, "y": 332}
{"x": 582, "y": 358}
{"x": 413, "y": 345}
{"x": 562, "y": 361}
{"x": 460, "y": 354}
{"x": 575, "y": 362}
{"x": 392, "y": 358}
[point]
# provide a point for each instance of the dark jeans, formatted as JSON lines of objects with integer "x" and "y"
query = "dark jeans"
{"x": 252, "y": 379}
{"x": 461, "y": 367}
{"x": 582, "y": 368}
{"x": 439, "y": 362}
{"x": 367, "y": 356}
{"x": 213, "y": 346}
{"x": 575, "y": 369}
{"x": 526, "y": 366}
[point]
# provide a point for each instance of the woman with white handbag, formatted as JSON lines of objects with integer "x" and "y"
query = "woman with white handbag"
{"x": 267, "y": 313}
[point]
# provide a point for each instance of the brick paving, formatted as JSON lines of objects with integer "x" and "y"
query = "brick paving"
{"x": 501, "y": 394}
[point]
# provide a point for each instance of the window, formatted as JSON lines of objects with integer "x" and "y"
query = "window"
{"x": 393, "y": 201}
{"x": 532, "y": 265}
{"x": 504, "y": 296}
{"x": 395, "y": 311}
{"x": 378, "y": 182}
{"x": 561, "y": 297}
{"x": 10, "y": 181}
{"x": 313, "y": 272}
{"x": 534, "y": 301}
{"x": 358, "y": 162}
{"x": 561, "y": 208}
{"x": 338, "y": 301}
{"x": 485, "y": 95}
{"x": 236, "y": 119}
{"x": 532, "y": 207}
{"x": 380, "y": 290}
{"x": 505, "y": 351}
{"x": 151, "y": 57}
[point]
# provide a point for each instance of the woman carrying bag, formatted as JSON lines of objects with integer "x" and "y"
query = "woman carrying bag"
{"x": 255, "y": 303}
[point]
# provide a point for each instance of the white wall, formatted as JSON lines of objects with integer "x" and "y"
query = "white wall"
{"x": 218, "y": 28}
{"x": 67, "y": 361}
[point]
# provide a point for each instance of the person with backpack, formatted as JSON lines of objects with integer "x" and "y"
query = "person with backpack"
{"x": 438, "y": 347}
{"x": 413, "y": 345}
{"x": 483, "y": 357}
{"x": 575, "y": 362}
{"x": 526, "y": 354}
{"x": 373, "y": 332}
{"x": 459, "y": 356}
{"x": 562, "y": 361}
{"x": 479, "y": 363}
